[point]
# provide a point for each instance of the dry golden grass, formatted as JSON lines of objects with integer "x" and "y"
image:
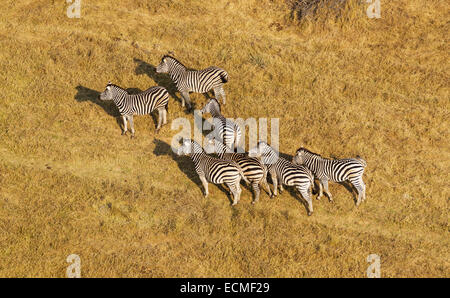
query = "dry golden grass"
{"x": 70, "y": 183}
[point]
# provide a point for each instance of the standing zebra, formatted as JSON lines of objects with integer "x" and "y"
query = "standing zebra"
{"x": 200, "y": 81}
{"x": 254, "y": 170}
{"x": 336, "y": 170}
{"x": 214, "y": 170}
{"x": 138, "y": 104}
{"x": 226, "y": 130}
{"x": 285, "y": 172}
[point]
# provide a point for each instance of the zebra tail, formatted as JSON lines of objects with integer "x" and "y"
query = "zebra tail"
{"x": 241, "y": 173}
{"x": 224, "y": 77}
{"x": 361, "y": 160}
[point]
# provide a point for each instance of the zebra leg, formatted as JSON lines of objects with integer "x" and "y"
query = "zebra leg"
{"x": 266, "y": 185}
{"x": 160, "y": 118}
{"x": 185, "y": 98}
{"x": 229, "y": 189}
{"x": 205, "y": 185}
{"x": 364, "y": 191}
{"x": 320, "y": 190}
{"x": 164, "y": 117}
{"x": 273, "y": 174}
{"x": 219, "y": 93}
{"x": 237, "y": 193}
{"x": 130, "y": 119}
{"x": 306, "y": 196}
{"x": 124, "y": 131}
{"x": 255, "y": 186}
{"x": 222, "y": 94}
{"x": 327, "y": 192}
{"x": 280, "y": 184}
{"x": 360, "y": 187}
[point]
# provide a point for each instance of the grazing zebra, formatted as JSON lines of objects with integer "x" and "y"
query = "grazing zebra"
{"x": 285, "y": 172}
{"x": 214, "y": 170}
{"x": 138, "y": 104}
{"x": 226, "y": 130}
{"x": 200, "y": 81}
{"x": 336, "y": 170}
{"x": 254, "y": 170}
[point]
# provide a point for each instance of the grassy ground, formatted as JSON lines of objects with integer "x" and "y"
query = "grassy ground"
{"x": 70, "y": 183}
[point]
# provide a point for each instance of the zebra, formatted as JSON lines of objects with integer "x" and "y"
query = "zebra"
{"x": 200, "y": 81}
{"x": 336, "y": 170}
{"x": 139, "y": 104}
{"x": 214, "y": 170}
{"x": 285, "y": 172}
{"x": 254, "y": 170}
{"x": 225, "y": 129}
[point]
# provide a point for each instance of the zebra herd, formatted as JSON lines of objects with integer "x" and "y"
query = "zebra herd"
{"x": 229, "y": 168}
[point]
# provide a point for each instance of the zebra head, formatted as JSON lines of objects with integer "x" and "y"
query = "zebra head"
{"x": 214, "y": 145}
{"x": 302, "y": 155}
{"x": 108, "y": 93}
{"x": 189, "y": 147}
{"x": 264, "y": 152}
{"x": 163, "y": 66}
{"x": 212, "y": 107}
{"x": 259, "y": 150}
{"x": 210, "y": 146}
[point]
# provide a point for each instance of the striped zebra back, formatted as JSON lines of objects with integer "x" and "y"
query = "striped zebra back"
{"x": 138, "y": 104}
{"x": 200, "y": 81}
{"x": 337, "y": 170}
{"x": 204, "y": 80}
{"x": 252, "y": 167}
{"x": 214, "y": 169}
{"x": 226, "y": 130}
{"x": 290, "y": 173}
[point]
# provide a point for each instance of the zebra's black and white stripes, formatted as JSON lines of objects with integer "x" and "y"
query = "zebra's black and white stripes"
{"x": 138, "y": 104}
{"x": 214, "y": 170}
{"x": 253, "y": 168}
{"x": 199, "y": 81}
{"x": 336, "y": 170}
{"x": 225, "y": 129}
{"x": 285, "y": 172}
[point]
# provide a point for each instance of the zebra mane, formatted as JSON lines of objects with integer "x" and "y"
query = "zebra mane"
{"x": 218, "y": 104}
{"x": 114, "y": 85}
{"x": 173, "y": 58}
{"x": 308, "y": 151}
{"x": 194, "y": 145}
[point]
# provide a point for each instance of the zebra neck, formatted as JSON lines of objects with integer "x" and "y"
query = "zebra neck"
{"x": 269, "y": 157}
{"x": 221, "y": 150}
{"x": 176, "y": 71}
{"x": 120, "y": 101}
{"x": 217, "y": 114}
{"x": 314, "y": 159}
{"x": 197, "y": 157}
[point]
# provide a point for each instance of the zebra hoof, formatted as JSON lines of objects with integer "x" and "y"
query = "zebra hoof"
{"x": 309, "y": 213}
{"x": 124, "y": 133}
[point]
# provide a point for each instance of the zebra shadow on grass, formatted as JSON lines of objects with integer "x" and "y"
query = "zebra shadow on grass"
{"x": 163, "y": 80}
{"x": 87, "y": 94}
{"x": 186, "y": 166}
